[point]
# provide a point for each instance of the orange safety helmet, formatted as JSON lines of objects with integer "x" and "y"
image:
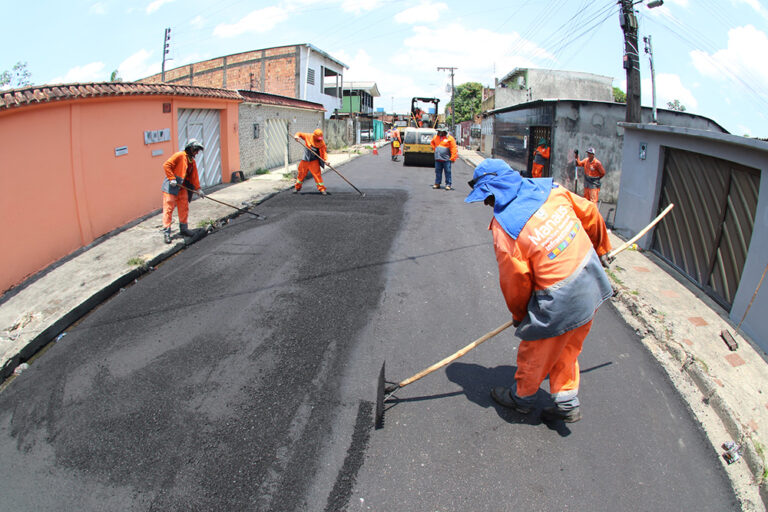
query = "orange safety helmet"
{"x": 317, "y": 135}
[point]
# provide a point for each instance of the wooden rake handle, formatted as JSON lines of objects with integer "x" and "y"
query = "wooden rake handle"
{"x": 455, "y": 356}
{"x": 640, "y": 235}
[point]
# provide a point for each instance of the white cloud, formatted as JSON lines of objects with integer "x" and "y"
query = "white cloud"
{"x": 424, "y": 13}
{"x": 197, "y": 22}
{"x": 93, "y": 72}
{"x": 156, "y": 5}
{"x": 737, "y": 59}
{"x": 669, "y": 87}
{"x": 260, "y": 21}
{"x": 98, "y": 8}
{"x": 138, "y": 66}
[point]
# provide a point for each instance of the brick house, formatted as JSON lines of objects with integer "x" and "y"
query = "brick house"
{"x": 299, "y": 71}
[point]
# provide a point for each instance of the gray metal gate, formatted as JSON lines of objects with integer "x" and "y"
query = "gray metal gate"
{"x": 276, "y": 142}
{"x": 203, "y": 125}
{"x": 707, "y": 234}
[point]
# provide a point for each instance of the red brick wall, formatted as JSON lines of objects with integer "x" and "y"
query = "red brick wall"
{"x": 279, "y": 67}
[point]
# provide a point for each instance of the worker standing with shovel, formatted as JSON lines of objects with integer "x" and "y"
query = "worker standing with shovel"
{"x": 180, "y": 180}
{"x": 549, "y": 246}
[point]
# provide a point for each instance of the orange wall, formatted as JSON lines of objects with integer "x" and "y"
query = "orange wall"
{"x": 62, "y": 185}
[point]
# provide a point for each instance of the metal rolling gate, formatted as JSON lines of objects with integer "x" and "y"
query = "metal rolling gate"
{"x": 707, "y": 234}
{"x": 276, "y": 142}
{"x": 203, "y": 125}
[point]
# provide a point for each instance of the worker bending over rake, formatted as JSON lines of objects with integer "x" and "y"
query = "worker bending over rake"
{"x": 549, "y": 246}
{"x": 315, "y": 157}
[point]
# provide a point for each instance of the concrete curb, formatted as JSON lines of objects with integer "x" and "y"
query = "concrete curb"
{"x": 643, "y": 313}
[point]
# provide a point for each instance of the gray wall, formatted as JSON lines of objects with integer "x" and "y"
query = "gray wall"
{"x": 578, "y": 125}
{"x": 540, "y": 84}
{"x": 640, "y": 189}
{"x": 339, "y": 133}
{"x": 252, "y": 151}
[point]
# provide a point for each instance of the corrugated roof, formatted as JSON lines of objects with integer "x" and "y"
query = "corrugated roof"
{"x": 282, "y": 101}
{"x": 47, "y": 93}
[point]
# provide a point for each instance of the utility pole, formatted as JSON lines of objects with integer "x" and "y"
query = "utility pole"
{"x": 166, "y": 46}
{"x": 453, "y": 105}
{"x": 649, "y": 51}
{"x": 628, "y": 22}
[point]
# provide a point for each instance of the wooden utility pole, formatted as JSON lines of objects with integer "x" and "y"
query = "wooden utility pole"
{"x": 628, "y": 22}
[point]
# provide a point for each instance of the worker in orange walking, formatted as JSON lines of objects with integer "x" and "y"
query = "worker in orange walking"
{"x": 593, "y": 172}
{"x": 540, "y": 158}
{"x": 396, "y": 143}
{"x": 315, "y": 157}
{"x": 180, "y": 178}
{"x": 446, "y": 152}
{"x": 549, "y": 246}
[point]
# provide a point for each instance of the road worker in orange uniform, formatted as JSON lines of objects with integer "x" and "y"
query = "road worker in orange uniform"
{"x": 180, "y": 176}
{"x": 446, "y": 152}
{"x": 593, "y": 171}
{"x": 540, "y": 158}
{"x": 315, "y": 157}
{"x": 549, "y": 246}
{"x": 396, "y": 143}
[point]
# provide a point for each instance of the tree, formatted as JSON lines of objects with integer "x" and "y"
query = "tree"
{"x": 676, "y": 105}
{"x": 115, "y": 77}
{"x": 619, "y": 96}
{"x": 18, "y": 76}
{"x": 468, "y": 97}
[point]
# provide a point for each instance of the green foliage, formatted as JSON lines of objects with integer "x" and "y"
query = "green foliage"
{"x": 136, "y": 262}
{"x": 676, "y": 105}
{"x": 18, "y": 76}
{"x": 619, "y": 96}
{"x": 206, "y": 223}
{"x": 468, "y": 97}
{"x": 115, "y": 77}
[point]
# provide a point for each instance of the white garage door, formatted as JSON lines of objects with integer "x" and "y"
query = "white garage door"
{"x": 203, "y": 125}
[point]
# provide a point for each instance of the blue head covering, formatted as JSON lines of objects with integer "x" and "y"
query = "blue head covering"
{"x": 516, "y": 198}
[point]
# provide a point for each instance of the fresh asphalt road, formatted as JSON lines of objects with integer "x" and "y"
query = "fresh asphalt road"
{"x": 241, "y": 374}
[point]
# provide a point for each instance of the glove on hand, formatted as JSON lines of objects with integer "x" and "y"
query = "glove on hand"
{"x": 173, "y": 183}
{"x": 605, "y": 260}
{"x": 200, "y": 193}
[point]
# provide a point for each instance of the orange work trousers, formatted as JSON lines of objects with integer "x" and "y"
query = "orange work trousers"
{"x": 556, "y": 357}
{"x": 180, "y": 201}
{"x": 314, "y": 168}
{"x": 536, "y": 170}
{"x": 592, "y": 194}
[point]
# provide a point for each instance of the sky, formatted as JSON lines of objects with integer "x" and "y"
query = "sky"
{"x": 708, "y": 54}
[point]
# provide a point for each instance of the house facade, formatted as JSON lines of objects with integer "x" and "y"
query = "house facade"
{"x": 299, "y": 71}
{"x": 716, "y": 235}
{"x": 82, "y": 160}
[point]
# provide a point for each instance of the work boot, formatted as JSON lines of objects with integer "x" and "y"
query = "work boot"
{"x": 295, "y": 191}
{"x": 167, "y": 235}
{"x": 324, "y": 192}
{"x": 436, "y": 186}
{"x": 448, "y": 187}
{"x": 184, "y": 231}
{"x": 552, "y": 414}
{"x": 503, "y": 396}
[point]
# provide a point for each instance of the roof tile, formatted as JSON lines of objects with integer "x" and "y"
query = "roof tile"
{"x": 45, "y": 93}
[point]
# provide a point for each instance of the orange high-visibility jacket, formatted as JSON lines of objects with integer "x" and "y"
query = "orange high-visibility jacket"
{"x": 593, "y": 171}
{"x": 541, "y": 155}
{"x": 445, "y": 148}
{"x": 320, "y": 148}
{"x": 551, "y": 276}
{"x": 181, "y": 167}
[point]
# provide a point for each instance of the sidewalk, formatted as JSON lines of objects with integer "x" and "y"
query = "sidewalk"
{"x": 726, "y": 390}
{"x": 39, "y": 310}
